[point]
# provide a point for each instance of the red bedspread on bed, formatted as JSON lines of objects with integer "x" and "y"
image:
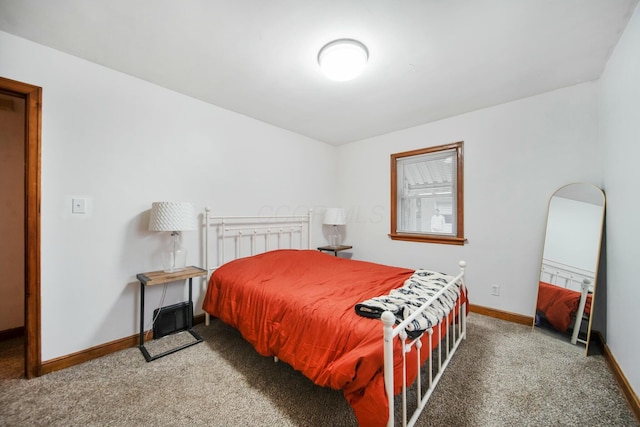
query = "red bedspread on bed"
{"x": 298, "y": 305}
{"x": 559, "y": 305}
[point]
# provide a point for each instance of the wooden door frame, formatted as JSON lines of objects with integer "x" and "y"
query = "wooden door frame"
{"x": 33, "y": 127}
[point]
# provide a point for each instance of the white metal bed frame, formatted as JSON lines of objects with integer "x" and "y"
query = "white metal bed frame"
{"x": 454, "y": 334}
{"x": 263, "y": 231}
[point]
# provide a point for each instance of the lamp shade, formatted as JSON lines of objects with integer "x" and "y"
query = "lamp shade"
{"x": 172, "y": 216}
{"x": 335, "y": 216}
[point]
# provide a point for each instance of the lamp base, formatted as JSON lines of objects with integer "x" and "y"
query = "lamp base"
{"x": 335, "y": 239}
{"x": 174, "y": 259}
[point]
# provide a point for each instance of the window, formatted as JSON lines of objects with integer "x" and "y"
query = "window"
{"x": 427, "y": 195}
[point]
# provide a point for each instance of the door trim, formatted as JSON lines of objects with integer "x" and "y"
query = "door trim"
{"x": 33, "y": 128}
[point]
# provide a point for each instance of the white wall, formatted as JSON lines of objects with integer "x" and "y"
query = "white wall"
{"x": 620, "y": 134}
{"x": 515, "y": 156}
{"x": 122, "y": 144}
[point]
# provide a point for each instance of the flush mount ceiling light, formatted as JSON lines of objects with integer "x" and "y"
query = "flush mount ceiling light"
{"x": 343, "y": 59}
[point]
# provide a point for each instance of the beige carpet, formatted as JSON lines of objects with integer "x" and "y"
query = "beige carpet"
{"x": 504, "y": 374}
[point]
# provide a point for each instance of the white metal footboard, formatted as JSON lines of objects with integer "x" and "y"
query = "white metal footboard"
{"x": 455, "y": 332}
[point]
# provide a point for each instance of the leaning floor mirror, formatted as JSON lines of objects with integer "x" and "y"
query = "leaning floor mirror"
{"x": 569, "y": 268}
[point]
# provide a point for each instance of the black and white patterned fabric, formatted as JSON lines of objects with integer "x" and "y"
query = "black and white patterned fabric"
{"x": 404, "y": 301}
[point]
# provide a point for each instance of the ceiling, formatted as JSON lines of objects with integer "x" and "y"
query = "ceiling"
{"x": 429, "y": 59}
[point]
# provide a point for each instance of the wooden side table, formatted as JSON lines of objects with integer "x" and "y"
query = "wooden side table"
{"x": 157, "y": 278}
{"x": 334, "y": 249}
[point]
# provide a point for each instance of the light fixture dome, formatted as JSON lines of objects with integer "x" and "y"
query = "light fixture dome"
{"x": 343, "y": 59}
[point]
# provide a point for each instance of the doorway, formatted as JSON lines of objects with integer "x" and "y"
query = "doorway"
{"x": 32, "y": 97}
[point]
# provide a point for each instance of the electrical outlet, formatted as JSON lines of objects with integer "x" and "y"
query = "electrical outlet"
{"x": 495, "y": 290}
{"x": 78, "y": 206}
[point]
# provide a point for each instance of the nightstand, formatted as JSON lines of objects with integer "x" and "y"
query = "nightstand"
{"x": 160, "y": 277}
{"x": 334, "y": 249}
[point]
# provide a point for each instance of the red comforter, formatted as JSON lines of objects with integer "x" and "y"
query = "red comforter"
{"x": 559, "y": 305}
{"x": 298, "y": 305}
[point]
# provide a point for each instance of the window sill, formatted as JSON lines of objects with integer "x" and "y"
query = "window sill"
{"x": 431, "y": 238}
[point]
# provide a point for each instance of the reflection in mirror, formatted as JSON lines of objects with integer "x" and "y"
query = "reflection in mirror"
{"x": 567, "y": 281}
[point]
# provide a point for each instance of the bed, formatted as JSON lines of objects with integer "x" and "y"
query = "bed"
{"x": 564, "y": 297}
{"x": 321, "y": 314}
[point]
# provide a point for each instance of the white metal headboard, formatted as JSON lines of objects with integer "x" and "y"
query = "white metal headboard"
{"x": 235, "y": 237}
{"x": 566, "y": 276}
{"x": 239, "y": 236}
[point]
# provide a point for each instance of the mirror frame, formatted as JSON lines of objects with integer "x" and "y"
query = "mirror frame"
{"x": 597, "y": 257}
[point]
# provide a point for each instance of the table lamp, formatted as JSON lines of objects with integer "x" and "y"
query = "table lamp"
{"x": 174, "y": 217}
{"x": 335, "y": 217}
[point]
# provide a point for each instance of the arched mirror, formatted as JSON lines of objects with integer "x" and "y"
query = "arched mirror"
{"x": 567, "y": 283}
